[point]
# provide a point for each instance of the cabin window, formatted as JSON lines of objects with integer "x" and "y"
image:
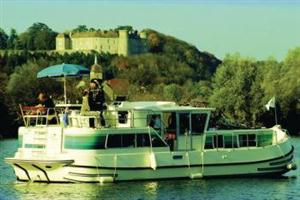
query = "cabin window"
{"x": 157, "y": 141}
{"x": 122, "y": 117}
{"x": 247, "y": 140}
{"x": 114, "y": 141}
{"x": 184, "y": 123}
{"x": 264, "y": 139}
{"x": 198, "y": 123}
{"x": 219, "y": 141}
{"x": 209, "y": 142}
{"x": 170, "y": 121}
{"x": 252, "y": 140}
{"x": 128, "y": 140}
{"x": 155, "y": 121}
{"x": 230, "y": 141}
{"x": 142, "y": 140}
{"x": 121, "y": 140}
{"x": 243, "y": 140}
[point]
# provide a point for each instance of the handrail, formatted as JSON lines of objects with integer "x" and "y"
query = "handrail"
{"x": 37, "y": 113}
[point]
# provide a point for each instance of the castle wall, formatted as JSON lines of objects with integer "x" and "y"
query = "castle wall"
{"x": 62, "y": 43}
{"x": 107, "y": 45}
{"x": 122, "y": 45}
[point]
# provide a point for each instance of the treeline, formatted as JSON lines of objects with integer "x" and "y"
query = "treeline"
{"x": 172, "y": 70}
{"x": 40, "y": 37}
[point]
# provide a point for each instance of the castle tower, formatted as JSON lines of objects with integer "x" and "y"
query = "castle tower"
{"x": 123, "y": 44}
{"x": 62, "y": 42}
{"x": 96, "y": 70}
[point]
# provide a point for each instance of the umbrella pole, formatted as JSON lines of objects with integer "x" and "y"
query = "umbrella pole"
{"x": 65, "y": 89}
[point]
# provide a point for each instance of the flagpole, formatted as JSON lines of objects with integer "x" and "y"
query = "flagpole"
{"x": 275, "y": 114}
{"x": 65, "y": 89}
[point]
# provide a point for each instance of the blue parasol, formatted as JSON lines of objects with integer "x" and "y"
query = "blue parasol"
{"x": 63, "y": 70}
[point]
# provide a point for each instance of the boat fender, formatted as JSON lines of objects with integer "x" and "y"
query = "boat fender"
{"x": 291, "y": 166}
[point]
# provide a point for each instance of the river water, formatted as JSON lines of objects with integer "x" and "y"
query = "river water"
{"x": 285, "y": 187}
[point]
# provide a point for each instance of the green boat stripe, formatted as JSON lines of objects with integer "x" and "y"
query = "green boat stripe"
{"x": 282, "y": 161}
{"x": 272, "y": 168}
{"x": 91, "y": 175}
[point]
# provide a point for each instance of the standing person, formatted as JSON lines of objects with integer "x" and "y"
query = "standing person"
{"x": 85, "y": 102}
{"x": 97, "y": 99}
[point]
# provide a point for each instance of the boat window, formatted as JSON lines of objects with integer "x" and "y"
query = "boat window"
{"x": 128, "y": 140}
{"x": 243, "y": 140}
{"x": 122, "y": 117}
{"x": 142, "y": 140}
{"x": 264, "y": 139}
{"x": 252, "y": 140}
{"x": 209, "y": 142}
{"x": 219, "y": 141}
{"x": 170, "y": 121}
{"x": 247, "y": 140}
{"x": 157, "y": 141}
{"x": 114, "y": 141}
{"x": 155, "y": 122}
{"x": 184, "y": 123}
{"x": 198, "y": 123}
{"x": 230, "y": 141}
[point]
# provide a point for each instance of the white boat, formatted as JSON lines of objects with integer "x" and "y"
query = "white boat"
{"x": 145, "y": 140}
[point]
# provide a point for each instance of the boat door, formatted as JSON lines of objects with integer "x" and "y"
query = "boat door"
{"x": 183, "y": 131}
{"x": 189, "y": 130}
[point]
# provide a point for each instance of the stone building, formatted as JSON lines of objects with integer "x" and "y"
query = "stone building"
{"x": 121, "y": 42}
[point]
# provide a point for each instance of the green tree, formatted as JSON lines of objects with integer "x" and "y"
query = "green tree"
{"x": 81, "y": 28}
{"x": 13, "y": 40}
{"x": 38, "y": 37}
{"x": 23, "y": 84}
{"x": 234, "y": 86}
{"x": 173, "y": 92}
{"x": 3, "y": 39}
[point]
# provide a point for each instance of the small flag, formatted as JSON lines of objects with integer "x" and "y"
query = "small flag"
{"x": 65, "y": 119}
{"x": 271, "y": 103}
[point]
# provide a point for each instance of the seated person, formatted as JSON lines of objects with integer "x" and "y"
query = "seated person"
{"x": 44, "y": 103}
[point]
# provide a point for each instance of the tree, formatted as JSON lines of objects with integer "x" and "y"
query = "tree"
{"x": 81, "y": 28}
{"x": 155, "y": 42}
{"x": 38, "y": 37}
{"x": 3, "y": 39}
{"x": 13, "y": 42}
{"x": 234, "y": 86}
{"x": 173, "y": 92}
{"x": 23, "y": 84}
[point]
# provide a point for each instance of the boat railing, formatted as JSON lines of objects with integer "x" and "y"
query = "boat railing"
{"x": 112, "y": 118}
{"x": 36, "y": 115}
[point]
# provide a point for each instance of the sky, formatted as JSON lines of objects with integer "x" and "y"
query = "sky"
{"x": 253, "y": 28}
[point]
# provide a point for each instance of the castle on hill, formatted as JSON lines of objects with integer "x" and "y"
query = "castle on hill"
{"x": 121, "y": 42}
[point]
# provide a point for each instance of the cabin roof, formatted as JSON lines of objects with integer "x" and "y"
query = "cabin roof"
{"x": 160, "y": 106}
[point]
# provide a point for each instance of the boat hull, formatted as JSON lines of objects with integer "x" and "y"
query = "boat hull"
{"x": 72, "y": 170}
